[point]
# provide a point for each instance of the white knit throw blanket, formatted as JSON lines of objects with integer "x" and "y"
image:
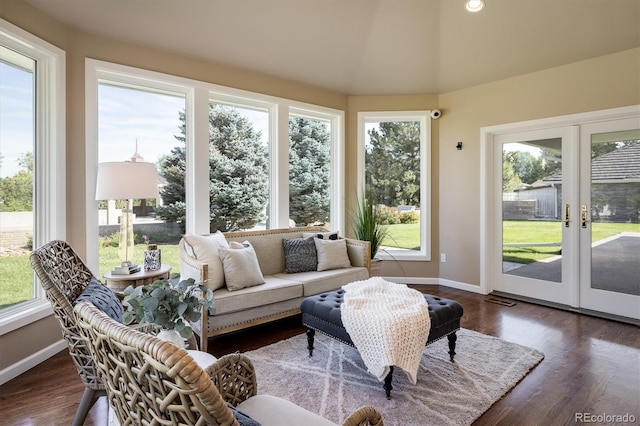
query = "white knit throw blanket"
{"x": 388, "y": 323}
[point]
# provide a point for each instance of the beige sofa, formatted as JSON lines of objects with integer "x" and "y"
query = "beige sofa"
{"x": 281, "y": 293}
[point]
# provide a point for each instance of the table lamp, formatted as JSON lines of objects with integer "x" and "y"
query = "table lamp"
{"x": 126, "y": 181}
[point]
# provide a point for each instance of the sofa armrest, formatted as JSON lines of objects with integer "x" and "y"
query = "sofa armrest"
{"x": 359, "y": 252}
{"x": 235, "y": 378}
{"x": 191, "y": 267}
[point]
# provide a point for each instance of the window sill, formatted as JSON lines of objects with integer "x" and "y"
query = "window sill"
{"x": 23, "y": 314}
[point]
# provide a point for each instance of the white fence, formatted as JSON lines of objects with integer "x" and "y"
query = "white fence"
{"x": 546, "y": 201}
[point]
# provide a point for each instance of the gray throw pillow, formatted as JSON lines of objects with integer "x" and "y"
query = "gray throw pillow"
{"x": 300, "y": 255}
{"x": 102, "y": 298}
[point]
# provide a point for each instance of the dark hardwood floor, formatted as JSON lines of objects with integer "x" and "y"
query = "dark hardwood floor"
{"x": 591, "y": 365}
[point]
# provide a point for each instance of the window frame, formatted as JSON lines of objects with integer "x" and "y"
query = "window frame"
{"x": 423, "y": 117}
{"x": 198, "y": 96}
{"x": 49, "y": 159}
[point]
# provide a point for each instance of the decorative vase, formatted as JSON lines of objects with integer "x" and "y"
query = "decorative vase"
{"x": 152, "y": 258}
{"x": 171, "y": 336}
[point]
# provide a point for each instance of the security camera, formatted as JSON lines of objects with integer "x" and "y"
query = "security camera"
{"x": 435, "y": 114}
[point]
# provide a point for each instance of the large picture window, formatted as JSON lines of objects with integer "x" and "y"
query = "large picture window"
{"x": 394, "y": 163}
{"x": 32, "y": 196}
{"x": 229, "y": 159}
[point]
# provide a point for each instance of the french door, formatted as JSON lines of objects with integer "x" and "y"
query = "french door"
{"x": 564, "y": 208}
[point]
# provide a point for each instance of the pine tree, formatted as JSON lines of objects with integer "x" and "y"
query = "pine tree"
{"x": 238, "y": 173}
{"x": 309, "y": 166}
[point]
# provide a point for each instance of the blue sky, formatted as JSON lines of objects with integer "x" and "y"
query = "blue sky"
{"x": 124, "y": 115}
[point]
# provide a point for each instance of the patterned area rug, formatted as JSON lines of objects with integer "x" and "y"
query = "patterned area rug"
{"x": 335, "y": 382}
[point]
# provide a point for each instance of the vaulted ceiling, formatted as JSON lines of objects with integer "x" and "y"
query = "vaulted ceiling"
{"x": 367, "y": 47}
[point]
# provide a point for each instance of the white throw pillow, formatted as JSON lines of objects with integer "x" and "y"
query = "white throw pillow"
{"x": 205, "y": 249}
{"x": 241, "y": 267}
{"x": 332, "y": 254}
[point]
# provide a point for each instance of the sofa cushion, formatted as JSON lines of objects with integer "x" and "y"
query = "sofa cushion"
{"x": 271, "y": 410}
{"x": 299, "y": 255}
{"x": 322, "y": 281}
{"x": 332, "y": 254}
{"x": 205, "y": 249}
{"x": 274, "y": 289}
{"x": 241, "y": 268}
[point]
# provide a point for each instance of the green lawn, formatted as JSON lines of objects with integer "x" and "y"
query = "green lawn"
{"x": 16, "y": 274}
{"x": 537, "y": 232}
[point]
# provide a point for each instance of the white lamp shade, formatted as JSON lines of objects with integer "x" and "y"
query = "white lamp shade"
{"x": 126, "y": 180}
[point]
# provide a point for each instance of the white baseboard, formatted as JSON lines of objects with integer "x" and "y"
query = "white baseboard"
{"x": 436, "y": 281}
{"x": 31, "y": 361}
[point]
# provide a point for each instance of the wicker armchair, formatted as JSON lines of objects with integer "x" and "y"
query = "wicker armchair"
{"x": 150, "y": 381}
{"x": 64, "y": 276}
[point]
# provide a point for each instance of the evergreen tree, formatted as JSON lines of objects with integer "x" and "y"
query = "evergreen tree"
{"x": 16, "y": 192}
{"x": 309, "y": 166}
{"x": 392, "y": 161}
{"x": 238, "y": 173}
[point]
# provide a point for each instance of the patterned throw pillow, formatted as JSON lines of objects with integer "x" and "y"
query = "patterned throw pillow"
{"x": 300, "y": 255}
{"x": 102, "y": 298}
{"x": 322, "y": 235}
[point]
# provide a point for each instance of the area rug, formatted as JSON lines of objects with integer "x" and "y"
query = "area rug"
{"x": 335, "y": 382}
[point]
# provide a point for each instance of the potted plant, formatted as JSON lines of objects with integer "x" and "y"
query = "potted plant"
{"x": 367, "y": 225}
{"x": 169, "y": 304}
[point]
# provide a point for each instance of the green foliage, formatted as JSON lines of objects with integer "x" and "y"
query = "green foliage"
{"x": 392, "y": 216}
{"x": 510, "y": 180}
{"x": 170, "y": 304}
{"x": 238, "y": 173}
{"x": 16, "y": 192}
{"x": 309, "y": 166}
{"x": 392, "y": 161}
{"x": 367, "y": 225}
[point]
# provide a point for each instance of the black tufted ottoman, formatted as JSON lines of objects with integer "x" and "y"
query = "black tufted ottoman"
{"x": 322, "y": 313}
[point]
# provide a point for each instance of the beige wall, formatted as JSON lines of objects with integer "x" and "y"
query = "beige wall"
{"x": 605, "y": 82}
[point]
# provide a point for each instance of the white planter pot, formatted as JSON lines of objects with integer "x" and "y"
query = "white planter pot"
{"x": 171, "y": 336}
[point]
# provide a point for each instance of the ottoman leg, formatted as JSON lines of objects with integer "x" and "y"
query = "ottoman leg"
{"x": 310, "y": 335}
{"x": 452, "y": 345}
{"x": 387, "y": 383}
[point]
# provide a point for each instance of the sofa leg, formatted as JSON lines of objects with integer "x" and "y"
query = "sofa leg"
{"x": 452, "y": 345}
{"x": 310, "y": 336}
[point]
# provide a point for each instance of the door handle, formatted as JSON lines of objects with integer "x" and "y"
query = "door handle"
{"x": 566, "y": 215}
{"x": 583, "y": 216}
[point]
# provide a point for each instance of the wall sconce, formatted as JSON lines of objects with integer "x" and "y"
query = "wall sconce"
{"x": 459, "y": 146}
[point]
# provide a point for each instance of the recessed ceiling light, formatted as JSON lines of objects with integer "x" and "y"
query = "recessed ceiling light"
{"x": 474, "y": 5}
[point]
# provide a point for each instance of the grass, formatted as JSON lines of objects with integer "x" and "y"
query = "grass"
{"x": 536, "y": 232}
{"x": 16, "y": 275}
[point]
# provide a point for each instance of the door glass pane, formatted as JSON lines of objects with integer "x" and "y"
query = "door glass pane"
{"x": 309, "y": 171}
{"x": 17, "y": 115}
{"x": 532, "y": 209}
{"x": 615, "y": 207}
{"x": 140, "y": 124}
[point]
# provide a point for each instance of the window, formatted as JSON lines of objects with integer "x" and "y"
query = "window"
{"x": 229, "y": 151}
{"x": 394, "y": 150}
{"x": 142, "y": 124}
{"x": 32, "y": 196}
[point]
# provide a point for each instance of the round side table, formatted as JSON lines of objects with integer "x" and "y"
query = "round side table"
{"x": 118, "y": 282}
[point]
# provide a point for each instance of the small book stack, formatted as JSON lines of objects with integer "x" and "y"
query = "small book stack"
{"x": 125, "y": 269}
